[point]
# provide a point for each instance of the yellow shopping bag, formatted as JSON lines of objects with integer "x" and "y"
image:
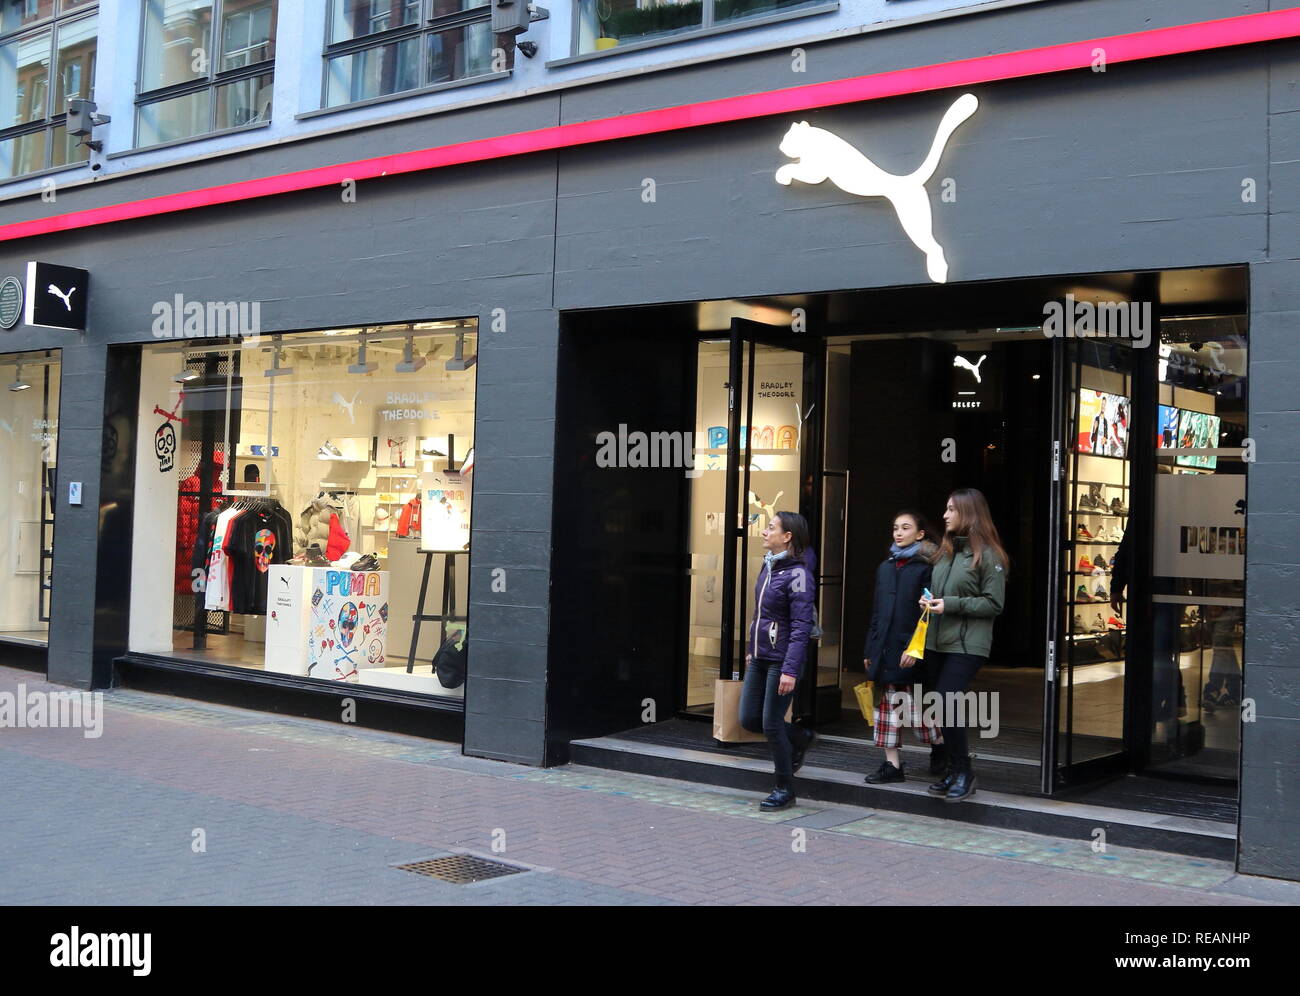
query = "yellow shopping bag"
{"x": 866, "y": 695}
{"x": 917, "y": 647}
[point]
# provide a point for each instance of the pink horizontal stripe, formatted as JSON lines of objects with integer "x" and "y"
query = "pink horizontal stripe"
{"x": 1247, "y": 29}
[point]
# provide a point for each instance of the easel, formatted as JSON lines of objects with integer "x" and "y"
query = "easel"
{"x": 448, "y": 613}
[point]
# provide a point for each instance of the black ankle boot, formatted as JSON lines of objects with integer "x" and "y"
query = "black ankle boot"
{"x": 942, "y": 786}
{"x": 885, "y": 774}
{"x": 781, "y": 798}
{"x": 963, "y": 786}
{"x": 797, "y": 753}
{"x": 938, "y": 759}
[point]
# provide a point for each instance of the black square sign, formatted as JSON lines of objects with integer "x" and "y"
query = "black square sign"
{"x": 56, "y": 296}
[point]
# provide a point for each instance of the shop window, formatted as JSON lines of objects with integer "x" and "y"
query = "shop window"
{"x": 297, "y": 498}
{"x": 205, "y": 66}
{"x": 1199, "y": 545}
{"x": 40, "y": 71}
{"x": 375, "y": 48}
{"x": 606, "y": 24}
{"x": 29, "y": 430}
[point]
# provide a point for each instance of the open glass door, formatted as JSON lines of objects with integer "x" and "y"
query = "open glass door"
{"x": 758, "y": 432}
{"x": 1087, "y": 644}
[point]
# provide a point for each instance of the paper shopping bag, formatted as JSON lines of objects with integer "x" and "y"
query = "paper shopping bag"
{"x": 726, "y": 714}
{"x": 866, "y": 696}
{"x": 917, "y": 647}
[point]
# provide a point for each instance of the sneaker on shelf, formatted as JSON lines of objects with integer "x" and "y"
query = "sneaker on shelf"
{"x": 1100, "y": 561}
{"x": 329, "y": 451}
{"x": 1079, "y": 625}
{"x": 1114, "y": 623}
{"x": 1083, "y": 532}
{"x": 1099, "y": 593}
{"x": 1085, "y": 565}
{"x": 1082, "y": 594}
{"x": 429, "y": 450}
{"x": 369, "y": 562}
{"x": 1117, "y": 507}
{"x": 1088, "y": 501}
{"x": 1099, "y": 625}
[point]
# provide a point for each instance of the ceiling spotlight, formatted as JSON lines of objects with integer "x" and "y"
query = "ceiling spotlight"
{"x": 185, "y": 375}
{"x": 276, "y": 370}
{"x": 361, "y": 366}
{"x": 460, "y": 361}
{"x": 19, "y": 384}
{"x": 410, "y": 363}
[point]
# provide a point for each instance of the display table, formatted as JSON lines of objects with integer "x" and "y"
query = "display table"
{"x": 323, "y": 622}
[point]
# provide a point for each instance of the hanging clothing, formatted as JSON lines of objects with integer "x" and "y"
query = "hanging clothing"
{"x": 217, "y": 597}
{"x": 188, "y": 520}
{"x": 339, "y": 540}
{"x": 409, "y": 521}
{"x": 257, "y": 539}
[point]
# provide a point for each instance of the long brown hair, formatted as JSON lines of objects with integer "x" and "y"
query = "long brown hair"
{"x": 975, "y": 522}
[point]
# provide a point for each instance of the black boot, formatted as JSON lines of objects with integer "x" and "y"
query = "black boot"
{"x": 797, "y": 753}
{"x": 885, "y": 774}
{"x": 938, "y": 759}
{"x": 963, "y": 786}
{"x": 942, "y": 786}
{"x": 781, "y": 798}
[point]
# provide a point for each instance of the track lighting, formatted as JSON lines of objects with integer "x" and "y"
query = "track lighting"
{"x": 410, "y": 363}
{"x": 185, "y": 375}
{"x": 19, "y": 384}
{"x": 276, "y": 370}
{"x": 460, "y": 361}
{"x": 361, "y": 366}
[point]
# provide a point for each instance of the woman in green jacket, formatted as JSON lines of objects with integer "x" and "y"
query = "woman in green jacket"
{"x": 969, "y": 588}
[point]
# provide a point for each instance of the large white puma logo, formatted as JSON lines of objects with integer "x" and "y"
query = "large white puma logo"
{"x": 974, "y": 368}
{"x": 347, "y": 406}
{"x": 67, "y": 298}
{"x": 822, "y": 155}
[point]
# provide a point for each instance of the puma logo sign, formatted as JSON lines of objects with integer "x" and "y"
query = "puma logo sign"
{"x": 65, "y": 298}
{"x": 347, "y": 406}
{"x": 974, "y": 368}
{"x": 822, "y": 155}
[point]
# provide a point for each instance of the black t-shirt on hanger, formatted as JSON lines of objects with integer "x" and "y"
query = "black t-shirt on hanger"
{"x": 259, "y": 538}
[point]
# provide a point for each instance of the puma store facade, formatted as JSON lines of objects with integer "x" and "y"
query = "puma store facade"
{"x": 603, "y": 352}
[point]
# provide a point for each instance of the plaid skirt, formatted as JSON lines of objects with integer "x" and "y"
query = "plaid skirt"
{"x": 896, "y": 708}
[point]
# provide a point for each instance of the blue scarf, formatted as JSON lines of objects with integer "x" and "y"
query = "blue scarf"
{"x": 769, "y": 556}
{"x": 897, "y": 552}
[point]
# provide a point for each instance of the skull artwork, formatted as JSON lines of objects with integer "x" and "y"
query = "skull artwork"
{"x": 164, "y": 447}
{"x": 263, "y": 549}
{"x": 347, "y": 623}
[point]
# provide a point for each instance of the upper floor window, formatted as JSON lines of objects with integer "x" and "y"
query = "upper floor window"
{"x": 36, "y": 35}
{"x": 205, "y": 65}
{"x": 378, "y": 47}
{"x": 605, "y": 24}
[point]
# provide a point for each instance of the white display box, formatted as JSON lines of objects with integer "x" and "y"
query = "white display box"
{"x": 324, "y": 622}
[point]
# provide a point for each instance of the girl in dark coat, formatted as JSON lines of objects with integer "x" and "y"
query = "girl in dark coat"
{"x": 900, "y": 581}
{"x": 775, "y": 647}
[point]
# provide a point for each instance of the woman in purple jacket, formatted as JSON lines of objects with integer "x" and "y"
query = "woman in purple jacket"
{"x": 775, "y": 647}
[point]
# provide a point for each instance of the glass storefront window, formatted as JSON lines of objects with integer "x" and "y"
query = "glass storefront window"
{"x": 315, "y": 478}
{"x": 29, "y": 428}
{"x": 186, "y": 88}
{"x": 1199, "y": 545}
{"x": 15, "y": 14}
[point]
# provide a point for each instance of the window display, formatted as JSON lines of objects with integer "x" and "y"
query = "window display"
{"x": 317, "y": 485}
{"x": 29, "y": 432}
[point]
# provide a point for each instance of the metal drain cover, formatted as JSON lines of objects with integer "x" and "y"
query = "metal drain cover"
{"x": 462, "y": 869}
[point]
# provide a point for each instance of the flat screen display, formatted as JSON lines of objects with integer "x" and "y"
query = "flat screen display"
{"x": 1103, "y": 424}
{"x": 1197, "y": 430}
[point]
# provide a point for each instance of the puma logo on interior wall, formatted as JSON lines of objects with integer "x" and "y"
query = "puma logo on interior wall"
{"x": 974, "y": 368}
{"x": 823, "y": 155}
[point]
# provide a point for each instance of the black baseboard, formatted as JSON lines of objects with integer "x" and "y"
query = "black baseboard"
{"x": 24, "y": 656}
{"x": 376, "y": 709}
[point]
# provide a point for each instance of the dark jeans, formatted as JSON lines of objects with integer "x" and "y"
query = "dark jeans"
{"x": 953, "y": 673}
{"x": 762, "y": 710}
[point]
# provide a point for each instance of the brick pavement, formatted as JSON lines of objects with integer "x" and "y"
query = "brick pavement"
{"x": 298, "y": 811}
